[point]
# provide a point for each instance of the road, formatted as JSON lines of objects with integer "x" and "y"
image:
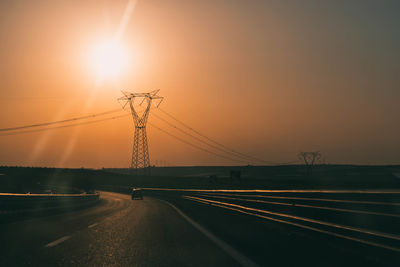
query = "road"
{"x": 117, "y": 232}
{"x": 189, "y": 228}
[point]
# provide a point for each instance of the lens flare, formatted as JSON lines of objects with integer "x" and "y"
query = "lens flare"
{"x": 108, "y": 59}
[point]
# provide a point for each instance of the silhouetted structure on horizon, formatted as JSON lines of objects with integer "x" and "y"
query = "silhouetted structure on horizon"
{"x": 140, "y": 151}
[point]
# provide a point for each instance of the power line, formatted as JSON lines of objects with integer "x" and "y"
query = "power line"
{"x": 195, "y": 146}
{"x": 200, "y": 140}
{"x": 221, "y": 147}
{"x": 60, "y": 121}
{"x": 63, "y": 126}
{"x": 212, "y": 140}
{"x": 239, "y": 154}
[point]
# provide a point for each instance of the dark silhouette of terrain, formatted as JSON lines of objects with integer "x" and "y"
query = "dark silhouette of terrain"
{"x": 39, "y": 180}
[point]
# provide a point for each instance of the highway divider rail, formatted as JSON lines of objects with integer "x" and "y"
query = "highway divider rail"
{"x": 12, "y": 205}
{"x": 367, "y": 217}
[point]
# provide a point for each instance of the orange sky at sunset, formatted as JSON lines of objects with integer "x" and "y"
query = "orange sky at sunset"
{"x": 267, "y": 78}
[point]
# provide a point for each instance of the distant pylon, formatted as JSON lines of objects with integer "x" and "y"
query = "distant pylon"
{"x": 140, "y": 152}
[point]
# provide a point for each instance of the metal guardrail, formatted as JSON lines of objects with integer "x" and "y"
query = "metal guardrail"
{"x": 21, "y": 196}
{"x": 33, "y": 203}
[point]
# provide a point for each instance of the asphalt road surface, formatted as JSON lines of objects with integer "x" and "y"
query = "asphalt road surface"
{"x": 186, "y": 228}
{"x": 117, "y": 232}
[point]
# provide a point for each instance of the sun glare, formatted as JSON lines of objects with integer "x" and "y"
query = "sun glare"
{"x": 108, "y": 59}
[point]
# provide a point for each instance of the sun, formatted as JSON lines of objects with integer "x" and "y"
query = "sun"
{"x": 108, "y": 59}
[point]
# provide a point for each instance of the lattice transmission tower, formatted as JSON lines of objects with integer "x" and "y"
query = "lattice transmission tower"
{"x": 140, "y": 152}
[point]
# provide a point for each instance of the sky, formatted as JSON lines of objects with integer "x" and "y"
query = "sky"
{"x": 265, "y": 78}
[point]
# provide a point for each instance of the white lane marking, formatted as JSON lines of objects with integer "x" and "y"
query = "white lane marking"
{"x": 58, "y": 241}
{"x": 239, "y": 257}
{"x": 92, "y": 225}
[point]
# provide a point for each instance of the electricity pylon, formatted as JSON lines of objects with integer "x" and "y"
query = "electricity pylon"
{"x": 310, "y": 158}
{"x": 140, "y": 152}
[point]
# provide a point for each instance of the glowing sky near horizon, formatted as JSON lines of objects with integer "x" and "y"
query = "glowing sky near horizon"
{"x": 268, "y": 78}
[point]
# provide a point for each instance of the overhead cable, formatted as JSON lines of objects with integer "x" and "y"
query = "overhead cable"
{"x": 60, "y": 121}
{"x": 63, "y": 126}
{"x": 221, "y": 145}
{"x": 200, "y": 140}
{"x": 193, "y": 145}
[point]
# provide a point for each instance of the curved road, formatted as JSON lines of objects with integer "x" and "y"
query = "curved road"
{"x": 117, "y": 232}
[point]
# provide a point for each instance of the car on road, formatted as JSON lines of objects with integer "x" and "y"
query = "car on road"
{"x": 136, "y": 193}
